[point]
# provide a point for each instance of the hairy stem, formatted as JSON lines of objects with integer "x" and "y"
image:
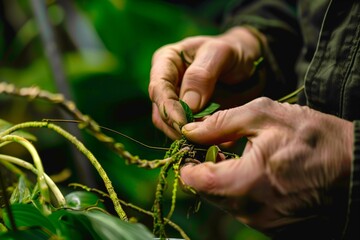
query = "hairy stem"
{"x": 83, "y": 150}
{"x": 85, "y": 121}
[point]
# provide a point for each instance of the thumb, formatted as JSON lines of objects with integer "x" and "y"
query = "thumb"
{"x": 199, "y": 80}
{"x": 226, "y": 178}
{"x": 231, "y": 124}
{"x": 223, "y": 126}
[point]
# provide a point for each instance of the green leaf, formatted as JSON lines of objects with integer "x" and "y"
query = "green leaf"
{"x": 211, "y": 154}
{"x": 211, "y": 108}
{"x": 4, "y": 125}
{"x": 98, "y": 225}
{"x": 188, "y": 112}
{"x": 22, "y": 192}
{"x": 30, "y": 233}
{"x": 28, "y": 216}
{"x": 82, "y": 199}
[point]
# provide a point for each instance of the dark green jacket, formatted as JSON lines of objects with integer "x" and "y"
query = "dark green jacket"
{"x": 314, "y": 43}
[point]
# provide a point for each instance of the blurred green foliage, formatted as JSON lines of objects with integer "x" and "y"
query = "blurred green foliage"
{"x": 106, "y": 48}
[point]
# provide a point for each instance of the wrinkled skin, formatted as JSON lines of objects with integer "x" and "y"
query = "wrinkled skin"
{"x": 294, "y": 157}
{"x": 296, "y": 161}
{"x": 222, "y": 58}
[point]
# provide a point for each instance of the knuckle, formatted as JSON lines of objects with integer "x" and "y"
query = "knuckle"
{"x": 220, "y": 44}
{"x": 217, "y": 120}
{"x": 153, "y": 90}
{"x": 262, "y": 107}
{"x": 198, "y": 75}
{"x": 262, "y": 101}
{"x": 156, "y": 120}
{"x": 209, "y": 182}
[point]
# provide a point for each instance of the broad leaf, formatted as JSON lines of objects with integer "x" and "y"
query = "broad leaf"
{"x": 29, "y": 233}
{"x": 98, "y": 225}
{"x": 28, "y": 216}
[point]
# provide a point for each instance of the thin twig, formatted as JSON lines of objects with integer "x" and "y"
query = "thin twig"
{"x": 85, "y": 121}
{"x": 291, "y": 97}
{"x": 110, "y": 130}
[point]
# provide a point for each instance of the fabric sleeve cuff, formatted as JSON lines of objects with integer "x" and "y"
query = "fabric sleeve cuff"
{"x": 352, "y": 230}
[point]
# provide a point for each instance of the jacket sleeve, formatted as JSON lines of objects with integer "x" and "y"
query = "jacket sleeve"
{"x": 353, "y": 217}
{"x": 277, "y": 20}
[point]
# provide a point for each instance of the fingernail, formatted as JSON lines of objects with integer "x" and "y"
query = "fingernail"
{"x": 193, "y": 99}
{"x": 188, "y": 127}
{"x": 176, "y": 127}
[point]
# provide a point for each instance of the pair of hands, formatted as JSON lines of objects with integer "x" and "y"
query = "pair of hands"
{"x": 295, "y": 159}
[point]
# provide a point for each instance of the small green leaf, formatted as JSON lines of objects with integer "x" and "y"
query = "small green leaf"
{"x": 188, "y": 112}
{"x": 211, "y": 108}
{"x": 211, "y": 154}
{"x": 22, "y": 192}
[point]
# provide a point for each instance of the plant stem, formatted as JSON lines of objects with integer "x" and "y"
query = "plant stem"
{"x": 85, "y": 121}
{"x": 53, "y": 187}
{"x": 83, "y": 150}
{"x": 291, "y": 97}
{"x": 37, "y": 162}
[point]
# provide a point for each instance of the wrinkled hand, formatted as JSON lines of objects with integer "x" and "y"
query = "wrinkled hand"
{"x": 228, "y": 57}
{"x": 294, "y": 161}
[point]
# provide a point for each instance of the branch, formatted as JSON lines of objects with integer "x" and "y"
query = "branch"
{"x": 85, "y": 121}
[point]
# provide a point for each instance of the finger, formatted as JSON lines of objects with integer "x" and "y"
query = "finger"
{"x": 166, "y": 75}
{"x": 167, "y": 68}
{"x": 212, "y": 59}
{"x": 233, "y": 177}
{"x": 232, "y": 124}
{"x": 160, "y": 124}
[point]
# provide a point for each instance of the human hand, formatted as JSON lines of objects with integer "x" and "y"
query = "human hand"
{"x": 228, "y": 57}
{"x": 296, "y": 163}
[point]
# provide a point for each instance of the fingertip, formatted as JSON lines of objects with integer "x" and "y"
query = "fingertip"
{"x": 193, "y": 99}
{"x": 188, "y": 127}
